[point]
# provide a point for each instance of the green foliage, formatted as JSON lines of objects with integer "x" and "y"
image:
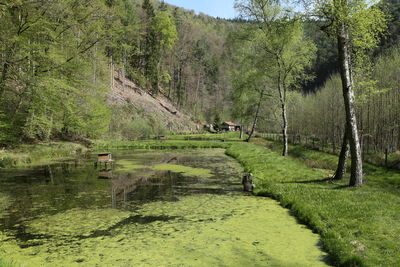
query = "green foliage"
{"x": 45, "y": 86}
{"x": 321, "y": 115}
{"x": 363, "y": 21}
{"x": 166, "y": 30}
{"x": 248, "y": 78}
{"x": 392, "y": 8}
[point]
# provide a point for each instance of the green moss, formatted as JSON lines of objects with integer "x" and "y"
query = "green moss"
{"x": 185, "y": 170}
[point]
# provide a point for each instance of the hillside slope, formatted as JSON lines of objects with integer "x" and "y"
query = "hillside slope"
{"x": 155, "y": 109}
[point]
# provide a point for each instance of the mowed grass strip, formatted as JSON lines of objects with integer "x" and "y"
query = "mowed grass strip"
{"x": 358, "y": 226}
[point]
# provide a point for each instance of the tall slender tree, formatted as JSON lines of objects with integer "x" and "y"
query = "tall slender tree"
{"x": 356, "y": 25}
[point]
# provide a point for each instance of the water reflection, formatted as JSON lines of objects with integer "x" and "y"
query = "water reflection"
{"x": 72, "y": 184}
{"x": 71, "y": 212}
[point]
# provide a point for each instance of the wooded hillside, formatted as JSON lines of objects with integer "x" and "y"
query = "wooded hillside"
{"x": 58, "y": 60}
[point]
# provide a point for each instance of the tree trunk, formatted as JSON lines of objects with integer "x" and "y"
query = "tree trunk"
{"x": 282, "y": 96}
{"x": 256, "y": 116}
{"x": 348, "y": 94}
{"x": 3, "y": 79}
{"x": 241, "y": 130}
{"x": 124, "y": 72}
{"x": 344, "y": 153}
{"x": 284, "y": 131}
{"x": 112, "y": 73}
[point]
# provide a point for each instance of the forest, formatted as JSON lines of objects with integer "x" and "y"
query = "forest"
{"x": 58, "y": 60}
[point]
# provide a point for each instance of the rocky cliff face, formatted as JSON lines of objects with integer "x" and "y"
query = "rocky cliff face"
{"x": 158, "y": 108}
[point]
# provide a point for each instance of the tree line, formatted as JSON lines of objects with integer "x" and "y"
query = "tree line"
{"x": 321, "y": 117}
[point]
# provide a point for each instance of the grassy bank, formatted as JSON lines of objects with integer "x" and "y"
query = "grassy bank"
{"x": 274, "y": 141}
{"x": 228, "y": 136}
{"x": 152, "y": 144}
{"x": 37, "y": 154}
{"x": 359, "y": 227}
{"x": 6, "y": 263}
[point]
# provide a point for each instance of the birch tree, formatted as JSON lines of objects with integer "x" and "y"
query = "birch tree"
{"x": 356, "y": 25}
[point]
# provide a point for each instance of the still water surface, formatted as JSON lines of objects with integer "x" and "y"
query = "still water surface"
{"x": 152, "y": 209}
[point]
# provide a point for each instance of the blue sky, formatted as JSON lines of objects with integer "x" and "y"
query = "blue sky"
{"x": 215, "y": 8}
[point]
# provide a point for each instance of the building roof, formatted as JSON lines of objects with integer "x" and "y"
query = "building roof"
{"x": 229, "y": 123}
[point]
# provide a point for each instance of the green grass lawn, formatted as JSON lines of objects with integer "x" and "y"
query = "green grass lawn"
{"x": 358, "y": 226}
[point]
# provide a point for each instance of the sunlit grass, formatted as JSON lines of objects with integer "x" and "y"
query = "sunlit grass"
{"x": 358, "y": 226}
{"x": 6, "y": 263}
{"x": 227, "y": 136}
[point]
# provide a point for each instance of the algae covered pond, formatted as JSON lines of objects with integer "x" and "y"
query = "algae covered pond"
{"x": 152, "y": 209}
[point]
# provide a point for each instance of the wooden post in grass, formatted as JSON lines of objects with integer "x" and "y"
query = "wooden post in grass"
{"x": 247, "y": 182}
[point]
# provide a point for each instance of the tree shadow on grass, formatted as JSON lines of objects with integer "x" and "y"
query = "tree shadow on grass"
{"x": 327, "y": 180}
{"x": 323, "y": 180}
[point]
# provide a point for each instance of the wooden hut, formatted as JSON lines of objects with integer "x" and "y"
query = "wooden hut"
{"x": 230, "y": 126}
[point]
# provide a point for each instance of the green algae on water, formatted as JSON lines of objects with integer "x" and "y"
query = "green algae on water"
{"x": 5, "y": 203}
{"x": 208, "y": 230}
{"x": 185, "y": 170}
{"x": 76, "y": 222}
{"x": 183, "y": 229}
{"x": 128, "y": 166}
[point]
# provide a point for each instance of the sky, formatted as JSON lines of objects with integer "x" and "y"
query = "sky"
{"x": 215, "y": 8}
